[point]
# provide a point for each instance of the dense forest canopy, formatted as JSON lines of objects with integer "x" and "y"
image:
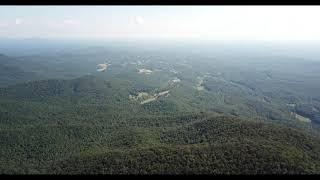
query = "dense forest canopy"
{"x": 122, "y": 108}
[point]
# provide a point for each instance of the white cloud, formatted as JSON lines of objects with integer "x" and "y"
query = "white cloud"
{"x": 18, "y": 21}
{"x": 139, "y": 20}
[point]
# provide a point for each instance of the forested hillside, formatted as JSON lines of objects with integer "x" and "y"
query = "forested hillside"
{"x": 88, "y": 125}
{"x": 103, "y": 110}
{"x": 206, "y": 145}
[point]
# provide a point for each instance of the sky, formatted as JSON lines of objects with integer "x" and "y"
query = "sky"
{"x": 268, "y": 23}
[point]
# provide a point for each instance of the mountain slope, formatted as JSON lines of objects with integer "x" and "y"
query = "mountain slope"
{"x": 90, "y": 125}
{"x": 220, "y": 145}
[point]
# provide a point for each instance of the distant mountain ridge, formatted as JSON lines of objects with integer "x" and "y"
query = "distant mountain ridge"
{"x": 10, "y": 73}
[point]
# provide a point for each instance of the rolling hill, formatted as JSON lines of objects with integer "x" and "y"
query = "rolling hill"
{"x": 89, "y": 125}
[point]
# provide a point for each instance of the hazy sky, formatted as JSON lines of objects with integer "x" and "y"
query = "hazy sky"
{"x": 198, "y": 22}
